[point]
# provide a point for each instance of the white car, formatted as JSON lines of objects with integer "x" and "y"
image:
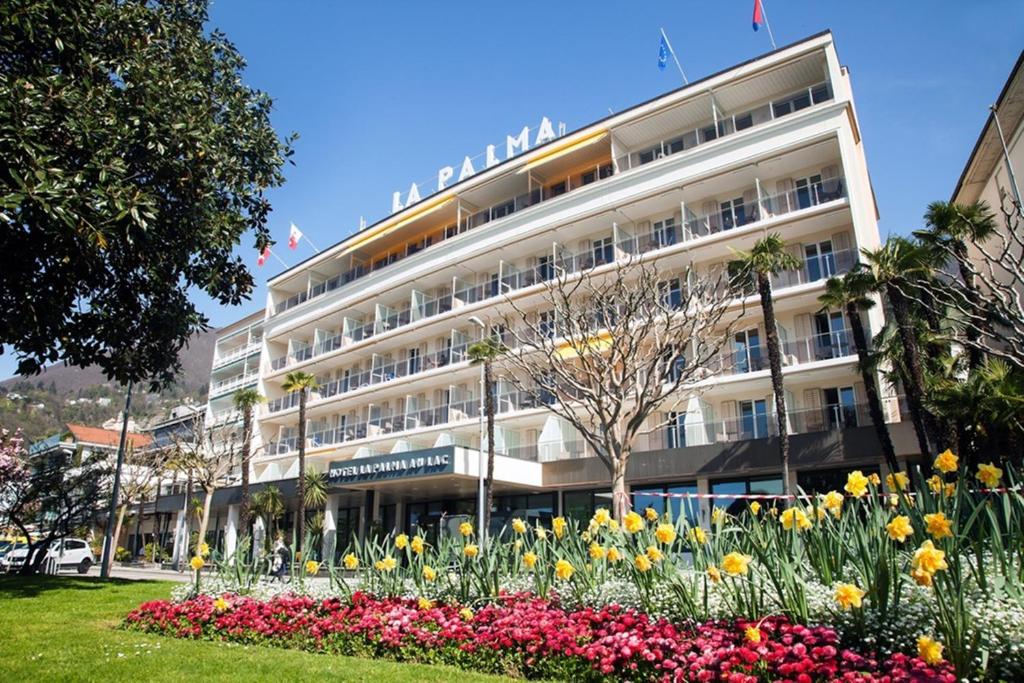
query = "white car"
{"x": 70, "y": 553}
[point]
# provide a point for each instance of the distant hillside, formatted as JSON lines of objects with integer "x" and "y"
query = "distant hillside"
{"x": 40, "y": 404}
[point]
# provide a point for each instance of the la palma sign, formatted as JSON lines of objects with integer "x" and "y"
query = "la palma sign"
{"x": 514, "y": 146}
{"x": 420, "y": 463}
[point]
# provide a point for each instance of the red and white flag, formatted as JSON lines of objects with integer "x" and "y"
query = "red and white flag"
{"x": 294, "y": 235}
{"x": 264, "y": 255}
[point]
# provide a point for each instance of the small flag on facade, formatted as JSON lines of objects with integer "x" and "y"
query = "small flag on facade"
{"x": 662, "y": 54}
{"x": 264, "y": 255}
{"x": 294, "y": 235}
{"x": 758, "y": 15}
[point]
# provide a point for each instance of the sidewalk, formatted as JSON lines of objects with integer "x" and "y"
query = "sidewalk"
{"x": 138, "y": 574}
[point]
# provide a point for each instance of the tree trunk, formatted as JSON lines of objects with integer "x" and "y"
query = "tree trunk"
{"x": 489, "y": 413}
{"x": 764, "y": 289}
{"x": 871, "y": 387}
{"x": 207, "y": 503}
{"x": 915, "y": 374}
{"x": 300, "y": 523}
{"x": 158, "y": 535}
{"x": 117, "y": 535}
{"x": 243, "y": 516}
{"x": 138, "y": 528}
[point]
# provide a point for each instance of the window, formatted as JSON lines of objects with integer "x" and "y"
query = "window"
{"x": 649, "y": 155}
{"x": 800, "y": 100}
{"x": 690, "y": 507}
{"x": 823, "y": 481}
{"x": 830, "y": 340}
{"x": 558, "y": 189}
{"x": 820, "y": 261}
{"x": 821, "y": 93}
{"x": 589, "y": 177}
{"x": 604, "y": 251}
{"x": 676, "y": 145}
{"x": 605, "y": 171}
{"x": 746, "y": 351}
{"x": 664, "y": 232}
{"x": 744, "y": 121}
{"x": 734, "y": 213}
{"x": 546, "y": 324}
{"x": 753, "y": 419}
{"x": 580, "y": 505}
{"x": 808, "y": 191}
{"x": 745, "y": 487}
{"x": 676, "y": 430}
{"x": 672, "y": 293}
{"x": 544, "y": 267}
{"x": 840, "y": 407}
{"x": 501, "y": 210}
{"x": 414, "y": 361}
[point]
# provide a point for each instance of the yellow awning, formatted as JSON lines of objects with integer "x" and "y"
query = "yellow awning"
{"x": 385, "y": 229}
{"x": 598, "y": 343}
{"x": 566, "y": 147}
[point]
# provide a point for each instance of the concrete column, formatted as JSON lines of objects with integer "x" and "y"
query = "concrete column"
{"x": 400, "y": 518}
{"x": 231, "y": 530}
{"x": 330, "y": 532}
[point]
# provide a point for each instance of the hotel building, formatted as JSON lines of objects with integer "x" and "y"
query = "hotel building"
{"x": 384, "y": 317}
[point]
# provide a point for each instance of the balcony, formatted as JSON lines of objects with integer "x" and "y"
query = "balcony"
{"x": 721, "y": 126}
{"x": 232, "y": 383}
{"x": 237, "y": 353}
{"x": 747, "y": 358}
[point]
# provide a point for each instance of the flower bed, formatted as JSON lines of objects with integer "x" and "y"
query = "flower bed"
{"x": 526, "y": 636}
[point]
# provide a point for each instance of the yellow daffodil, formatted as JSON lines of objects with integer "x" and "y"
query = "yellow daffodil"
{"x": 417, "y": 545}
{"x": 312, "y": 566}
{"x": 698, "y": 536}
{"x": 938, "y": 526}
{"x": 602, "y": 516}
{"x": 897, "y": 481}
{"x": 564, "y": 570}
{"x": 518, "y": 526}
{"x": 934, "y": 483}
{"x": 848, "y": 595}
{"x": 946, "y": 462}
{"x": 613, "y": 524}
{"x": 425, "y": 603}
{"x": 899, "y": 528}
{"x": 529, "y": 560}
{"x": 921, "y": 577}
{"x": 755, "y": 508}
{"x": 655, "y": 554}
{"x": 929, "y": 559}
{"x": 466, "y": 613}
{"x": 595, "y": 551}
{"x": 795, "y": 518}
{"x": 929, "y": 650}
{"x": 386, "y": 565}
{"x": 350, "y": 561}
{"x": 651, "y": 514}
{"x": 559, "y": 525}
{"x": 989, "y": 475}
{"x": 471, "y": 550}
{"x": 614, "y": 555}
{"x": 949, "y": 490}
{"x": 874, "y": 479}
{"x": 642, "y": 563}
{"x": 466, "y": 529}
{"x": 752, "y": 634}
{"x": 714, "y": 574}
{"x": 586, "y": 535}
{"x": 519, "y": 544}
{"x": 833, "y": 502}
{"x": 196, "y": 563}
{"x": 717, "y": 515}
{"x": 856, "y": 484}
{"x": 633, "y": 522}
{"x": 736, "y": 563}
{"x": 665, "y": 533}
{"x": 204, "y": 549}
{"x": 220, "y": 604}
{"x": 401, "y": 541}
{"x": 541, "y": 532}
{"x": 428, "y": 573}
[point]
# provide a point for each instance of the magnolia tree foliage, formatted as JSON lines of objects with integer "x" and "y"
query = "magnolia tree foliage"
{"x": 611, "y": 351}
{"x": 135, "y": 159}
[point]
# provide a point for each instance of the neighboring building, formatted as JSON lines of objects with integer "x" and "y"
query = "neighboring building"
{"x": 383, "y": 317}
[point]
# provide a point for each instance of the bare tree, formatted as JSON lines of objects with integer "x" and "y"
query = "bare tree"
{"x": 606, "y": 351}
{"x": 137, "y": 480}
{"x": 209, "y": 455}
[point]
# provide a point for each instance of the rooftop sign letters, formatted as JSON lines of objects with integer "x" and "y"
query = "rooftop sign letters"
{"x": 420, "y": 463}
{"x": 514, "y": 145}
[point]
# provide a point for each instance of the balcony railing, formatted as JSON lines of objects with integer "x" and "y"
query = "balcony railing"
{"x": 742, "y": 359}
{"x": 234, "y": 382}
{"x": 235, "y": 354}
{"x": 725, "y": 125}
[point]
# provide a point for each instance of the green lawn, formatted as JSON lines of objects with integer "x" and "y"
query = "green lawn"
{"x": 64, "y": 629}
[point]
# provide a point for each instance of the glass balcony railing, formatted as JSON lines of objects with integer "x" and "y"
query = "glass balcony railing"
{"x": 745, "y": 358}
{"x": 235, "y": 354}
{"x": 231, "y": 383}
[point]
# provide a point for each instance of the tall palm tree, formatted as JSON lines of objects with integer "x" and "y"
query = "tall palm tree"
{"x": 269, "y": 505}
{"x": 893, "y": 266}
{"x": 769, "y": 257}
{"x": 951, "y": 227}
{"x": 850, "y": 293}
{"x": 246, "y": 401}
{"x": 303, "y": 383}
{"x": 485, "y": 351}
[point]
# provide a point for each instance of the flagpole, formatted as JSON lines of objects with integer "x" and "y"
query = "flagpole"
{"x": 310, "y": 243}
{"x": 675, "y": 59}
{"x": 768, "y": 25}
{"x": 280, "y": 260}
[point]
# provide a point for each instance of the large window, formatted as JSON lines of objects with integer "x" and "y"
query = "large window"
{"x": 676, "y": 430}
{"x": 753, "y": 419}
{"x": 840, "y": 407}
{"x": 604, "y": 251}
{"x": 746, "y": 351}
{"x": 830, "y": 339}
{"x": 769, "y": 486}
{"x": 823, "y": 481}
{"x": 664, "y": 232}
{"x": 677, "y": 506}
{"x": 734, "y": 213}
{"x": 580, "y": 505}
{"x": 820, "y": 260}
{"x": 808, "y": 191}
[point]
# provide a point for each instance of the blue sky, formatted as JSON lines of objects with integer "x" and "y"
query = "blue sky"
{"x": 386, "y": 93}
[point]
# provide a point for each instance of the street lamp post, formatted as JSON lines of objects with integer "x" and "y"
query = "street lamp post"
{"x": 481, "y": 464}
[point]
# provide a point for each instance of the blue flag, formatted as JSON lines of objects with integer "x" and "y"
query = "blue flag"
{"x": 662, "y": 54}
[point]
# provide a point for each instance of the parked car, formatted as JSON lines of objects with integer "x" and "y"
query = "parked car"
{"x": 70, "y": 553}
{"x": 8, "y": 545}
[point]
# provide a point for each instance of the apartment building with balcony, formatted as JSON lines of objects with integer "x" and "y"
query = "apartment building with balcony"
{"x": 383, "y": 318}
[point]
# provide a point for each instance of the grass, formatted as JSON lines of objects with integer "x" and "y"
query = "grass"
{"x": 65, "y": 629}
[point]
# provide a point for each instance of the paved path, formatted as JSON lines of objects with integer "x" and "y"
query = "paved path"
{"x": 140, "y": 574}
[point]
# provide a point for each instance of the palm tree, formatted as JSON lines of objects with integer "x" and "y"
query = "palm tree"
{"x": 769, "y": 257}
{"x": 269, "y": 505}
{"x": 851, "y": 293}
{"x": 246, "y": 401}
{"x": 303, "y": 383}
{"x": 485, "y": 351}
{"x": 314, "y": 496}
{"x": 892, "y": 266}
{"x": 950, "y": 227}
